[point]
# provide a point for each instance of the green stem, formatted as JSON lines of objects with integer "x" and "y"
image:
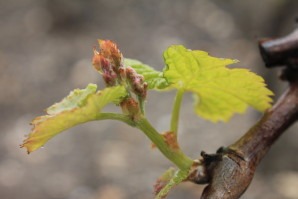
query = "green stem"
{"x": 176, "y": 111}
{"x": 142, "y": 104}
{"x": 116, "y": 116}
{"x": 175, "y": 155}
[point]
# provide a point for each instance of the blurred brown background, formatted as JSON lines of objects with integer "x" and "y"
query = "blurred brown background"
{"x": 46, "y": 50}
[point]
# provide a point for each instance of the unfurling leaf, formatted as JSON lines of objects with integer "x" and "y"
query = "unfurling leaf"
{"x": 168, "y": 180}
{"x": 81, "y": 105}
{"x": 154, "y": 79}
{"x": 163, "y": 180}
{"x": 219, "y": 91}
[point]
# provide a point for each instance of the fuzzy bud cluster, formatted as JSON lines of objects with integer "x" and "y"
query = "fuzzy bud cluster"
{"x": 108, "y": 61}
{"x": 136, "y": 82}
{"x": 104, "y": 66}
{"x": 110, "y": 51}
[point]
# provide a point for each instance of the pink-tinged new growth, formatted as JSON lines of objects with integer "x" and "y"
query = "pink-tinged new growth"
{"x": 136, "y": 82}
{"x": 159, "y": 185}
{"x": 98, "y": 60}
{"x": 130, "y": 107}
{"x": 170, "y": 139}
{"x": 109, "y": 62}
{"x": 111, "y": 52}
{"x": 163, "y": 180}
{"x": 103, "y": 65}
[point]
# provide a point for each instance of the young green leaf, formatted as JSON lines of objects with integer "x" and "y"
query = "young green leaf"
{"x": 219, "y": 91}
{"x": 78, "y": 107}
{"x": 154, "y": 78}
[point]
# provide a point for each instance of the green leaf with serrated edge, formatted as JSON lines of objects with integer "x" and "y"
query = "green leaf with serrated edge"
{"x": 219, "y": 91}
{"x": 154, "y": 78}
{"x": 179, "y": 177}
{"x": 81, "y": 105}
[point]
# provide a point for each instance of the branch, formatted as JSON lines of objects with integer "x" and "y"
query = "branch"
{"x": 230, "y": 171}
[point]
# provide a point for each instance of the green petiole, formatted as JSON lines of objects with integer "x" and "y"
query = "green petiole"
{"x": 176, "y": 111}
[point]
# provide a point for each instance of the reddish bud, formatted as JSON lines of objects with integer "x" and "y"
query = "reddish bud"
{"x": 99, "y": 62}
{"x": 96, "y": 60}
{"x": 110, "y": 51}
{"x": 122, "y": 73}
{"x": 109, "y": 62}
{"x": 103, "y": 65}
{"x": 136, "y": 82}
{"x": 130, "y": 107}
{"x": 110, "y": 79}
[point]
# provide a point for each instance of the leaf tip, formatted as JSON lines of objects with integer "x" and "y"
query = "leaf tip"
{"x": 24, "y": 145}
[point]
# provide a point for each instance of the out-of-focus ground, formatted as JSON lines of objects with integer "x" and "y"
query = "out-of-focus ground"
{"x": 46, "y": 50}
